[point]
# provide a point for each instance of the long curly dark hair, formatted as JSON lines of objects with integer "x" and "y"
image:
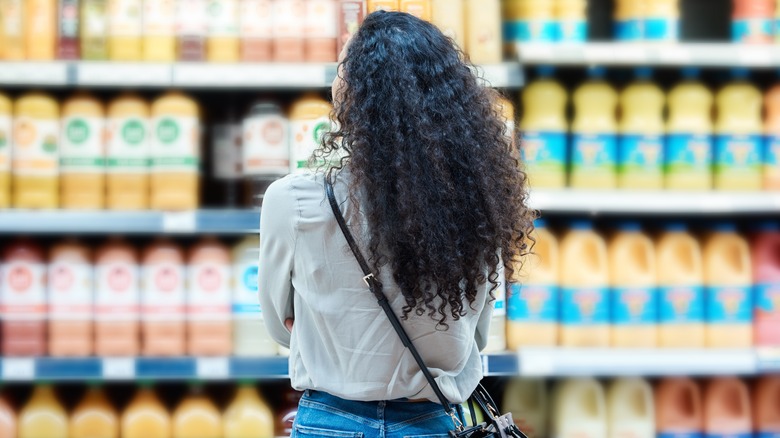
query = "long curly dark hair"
{"x": 420, "y": 134}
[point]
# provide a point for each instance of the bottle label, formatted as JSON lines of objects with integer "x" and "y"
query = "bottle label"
{"x": 6, "y": 127}
{"x": 544, "y": 151}
{"x": 585, "y": 306}
{"x": 499, "y": 304}
{"x": 246, "y": 298}
{"x": 767, "y": 301}
{"x": 688, "y": 152}
{"x": 540, "y": 31}
{"x": 767, "y": 434}
{"x": 82, "y": 145}
{"x": 751, "y": 30}
{"x": 628, "y": 30}
{"x": 662, "y": 29}
{"x": 321, "y": 20}
{"x": 266, "y": 145}
{"x": 634, "y": 305}
{"x": 681, "y": 304}
{"x": 69, "y": 19}
{"x": 223, "y": 18}
{"x": 35, "y": 147}
{"x": 572, "y": 30}
{"x": 287, "y": 19}
{"x": 772, "y": 161}
{"x": 117, "y": 295}
{"x": 70, "y": 291}
{"x": 159, "y": 18}
{"x": 163, "y": 297}
{"x": 128, "y": 145}
{"x": 256, "y": 19}
{"x": 209, "y": 297}
{"x": 227, "y": 143}
{"x": 124, "y": 18}
{"x": 730, "y": 304}
{"x": 738, "y": 153}
{"x": 352, "y": 14}
{"x": 175, "y": 144}
{"x": 306, "y": 138}
{"x": 23, "y": 291}
{"x": 641, "y": 154}
{"x": 191, "y": 18}
{"x": 679, "y": 435}
{"x": 594, "y": 152}
{"x": 533, "y": 303}
{"x": 12, "y": 13}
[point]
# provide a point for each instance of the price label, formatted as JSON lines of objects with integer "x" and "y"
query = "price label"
{"x": 755, "y": 56}
{"x": 212, "y": 368}
{"x": 18, "y": 369}
{"x": 183, "y": 222}
{"x": 536, "y": 364}
{"x": 118, "y": 368}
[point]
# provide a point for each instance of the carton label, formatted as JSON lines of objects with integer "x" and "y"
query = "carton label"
{"x": 163, "y": 297}
{"x": 594, "y": 152}
{"x": 223, "y": 18}
{"x": 124, "y": 18}
{"x": 36, "y": 147}
{"x": 688, "y": 152}
{"x": 287, "y": 22}
{"x": 499, "y": 304}
{"x": 681, "y": 304}
{"x": 662, "y": 29}
{"x": 226, "y": 141}
{"x": 159, "y": 18}
{"x": 266, "y": 145}
{"x": 81, "y": 148}
{"x": 738, "y": 153}
{"x": 634, "y": 305}
{"x": 128, "y": 145}
{"x": 533, "y": 303}
{"x": 175, "y": 144}
{"x": 729, "y": 304}
{"x": 641, "y": 154}
{"x": 321, "y": 21}
{"x": 209, "y": 296}
{"x": 23, "y": 291}
{"x": 191, "y": 18}
{"x": 585, "y": 306}
{"x": 751, "y": 30}
{"x": 680, "y": 435}
{"x": 306, "y": 137}
{"x": 70, "y": 291}
{"x": 256, "y": 18}
{"x": 117, "y": 295}
{"x": 544, "y": 151}
{"x": 246, "y": 298}
{"x": 628, "y": 30}
{"x": 6, "y": 127}
{"x": 572, "y": 30}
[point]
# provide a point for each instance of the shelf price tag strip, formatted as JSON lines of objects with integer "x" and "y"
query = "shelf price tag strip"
{"x": 18, "y": 369}
{"x": 118, "y": 368}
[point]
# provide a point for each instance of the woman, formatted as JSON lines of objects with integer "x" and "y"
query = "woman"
{"x": 430, "y": 184}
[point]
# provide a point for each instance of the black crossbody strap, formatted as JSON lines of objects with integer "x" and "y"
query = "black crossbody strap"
{"x": 376, "y": 288}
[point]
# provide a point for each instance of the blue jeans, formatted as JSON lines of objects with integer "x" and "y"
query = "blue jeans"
{"x": 323, "y": 415}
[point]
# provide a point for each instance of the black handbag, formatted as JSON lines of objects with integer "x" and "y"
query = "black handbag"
{"x": 497, "y": 424}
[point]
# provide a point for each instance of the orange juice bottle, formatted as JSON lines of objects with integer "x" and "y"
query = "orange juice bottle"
{"x": 175, "y": 152}
{"x": 532, "y": 307}
{"x": 739, "y": 136}
{"x": 630, "y": 410}
{"x": 117, "y": 299}
{"x": 94, "y": 416}
{"x": 419, "y": 8}
{"x": 772, "y": 147}
{"x": 7, "y": 418}
{"x": 197, "y": 417}
{"x": 766, "y": 409}
{"x": 448, "y": 16}
{"x": 678, "y": 408}
{"x": 255, "y": 24}
{"x": 82, "y": 158}
{"x": 594, "y": 140}
{"x": 40, "y": 29}
{"x": 584, "y": 288}
{"x": 146, "y": 416}
{"x": 288, "y": 30}
{"x": 766, "y": 276}
{"x": 43, "y": 416}
{"x": 579, "y": 409}
{"x": 321, "y": 30}
{"x": 71, "y": 285}
{"x": 23, "y": 298}
{"x": 222, "y": 43}
{"x": 382, "y": 5}
{"x": 163, "y": 299}
{"x": 633, "y": 277}
{"x": 127, "y": 154}
{"x": 6, "y": 128}
{"x": 681, "y": 292}
{"x": 727, "y": 410}
{"x": 247, "y": 415}
{"x": 250, "y": 336}
{"x": 159, "y": 38}
{"x": 483, "y": 31}
{"x": 125, "y": 24}
{"x": 527, "y": 400}
{"x": 35, "y": 152}
{"x": 309, "y": 121}
{"x": 13, "y": 27}
{"x": 208, "y": 300}
{"x": 728, "y": 275}
{"x": 94, "y": 30}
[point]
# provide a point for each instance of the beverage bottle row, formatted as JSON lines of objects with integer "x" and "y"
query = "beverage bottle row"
{"x": 755, "y": 21}
{"x": 545, "y": 21}
{"x": 643, "y": 149}
{"x": 638, "y": 292}
{"x": 674, "y": 408}
{"x": 111, "y": 302}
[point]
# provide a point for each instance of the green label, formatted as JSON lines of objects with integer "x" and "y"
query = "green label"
{"x": 77, "y": 132}
{"x": 50, "y": 144}
{"x": 319, "y": 131}
{"x": 133, "y": 132}
{"x": 167, "y": 131}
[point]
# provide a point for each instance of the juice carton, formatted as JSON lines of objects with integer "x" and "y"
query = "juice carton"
{"x": 71, "y": 294}
{"x": 255, "y": 24}
{"x": 82, "y": 157}
{"x": 321, "y": 30}
{"x": 43, "y": 416}
{"x": 209, "y": 299}
{"x": 94, "y": 30}
{"x": 766, "y": 275}
{"x": 163, "y": 299}
{"x": 630, "y": 410}
{"x": 483, "y": 31}
{"x": 662, "y": 20}
{"x": 448, "y": 16}
{"x": 23, "y": 298}
{"x": 527, "y": 400}
{"x": 127, "y": 154}
{"x": 223, "y": 42}
{"x": 146, "y": 416}
{"x": 678, "y": 408}
{"x": 125, "y": 26}
{"x": 766, "y": 409}
{"x": 6, "y": 137}
{"x": 191, "y": 30}
{"x": 94, "y": 416}
{"x": 159, "y": 25}
{"x": 117, "y": 300}
{"x": 772, "y": 141}
{"x": 752, "y": 21}
{"x": 250, "y": 337}
{"x": 197, "y": 417}
{"x": 247, "y": 415}
{"x": 727, "y": 410}
{"x": 40, "y": 29}
{"x": 572, "y": 19}
{"x": 288, "y": 30}
{"x": 579, "y": 409}
{"x": 630, "y": 20}
{"x": 309, "y": 121}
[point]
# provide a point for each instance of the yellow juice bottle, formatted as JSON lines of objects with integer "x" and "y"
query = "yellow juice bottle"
{"x": 146, "y": 416}
{"x": 43, "y": 416}
{"x": 382, "y": 5}
{"x": 127, "y": 154}
{"x": 197, "y": 417}
{"x": 12, "y": 12}
{"x": 223, "y": 39}
{"x": 175, "y": 152}
{"x": 662, "y": 20}
{"x": 629, "y": 20}
{"x": 40, "y": 29}
{"x": 483, "y": 31}
{"x": 594, "y": 140}
{"x": 689, "y": 140}
{"x": 448, "y": 15}
{"x": 572, "y": 17}
{"x": 94, "y": 30}
{"x": 247, "y": 415}
{"x": 537, "y": 23}
{"x": 739, "y": 139}
{"x": 94, "y": 416}
{"x": 309, "y": 121}
{"x": 82, "y": 158}
{"x": 125, "y": 24}
{"x": 6, "y": 132}
{"x": 159, "y": 37}
{"x": 641, "y": 145}
{"x": 36, "y": 151}
{"x": 544, "y": 129}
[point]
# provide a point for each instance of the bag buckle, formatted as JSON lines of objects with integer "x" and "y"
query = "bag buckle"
{"x": 456, "y": 421}
{"x": 367, "y": 279}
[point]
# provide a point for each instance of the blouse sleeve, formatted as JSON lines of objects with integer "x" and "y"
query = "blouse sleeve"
{"x": 483, "y": 323}
{"x": 278, "y": 220}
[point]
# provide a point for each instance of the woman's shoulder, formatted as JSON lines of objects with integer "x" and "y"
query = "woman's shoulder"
{"x": 296, "y": 184}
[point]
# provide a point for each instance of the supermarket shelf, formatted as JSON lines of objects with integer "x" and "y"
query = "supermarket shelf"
{"x": 126, "y": 222}
{"x": 672, "y": 55}
{"x": 654, "y": 202}
{"x": 768, "y": 360}
{"x": 201, "y": 75}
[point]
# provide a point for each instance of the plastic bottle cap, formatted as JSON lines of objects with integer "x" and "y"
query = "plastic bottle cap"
{"x": 597, "y": 72}
{"x": 691, "y": 72}
{"x": 740, "y": 73}
{"x": 629, "y": 226}
{"x": 545, "y": 71}
{"x": 581, "y": 224}
{"x": 643, "y": 73}
{"x": 675, "y": 226}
